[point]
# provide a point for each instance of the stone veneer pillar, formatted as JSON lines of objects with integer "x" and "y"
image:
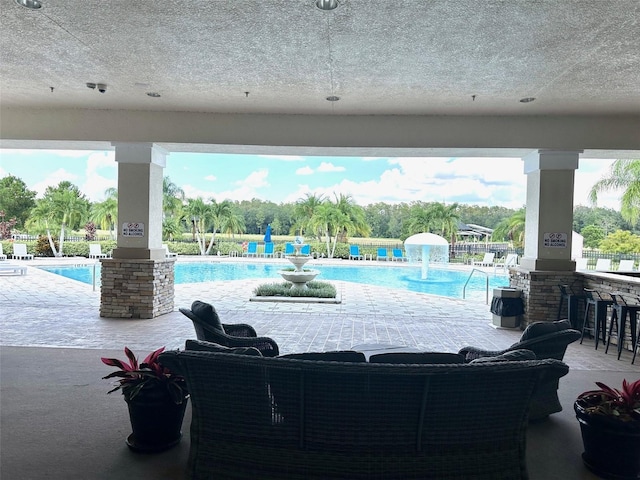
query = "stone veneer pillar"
{"x": 138, "y": 282}
{"x": 549, "y": 223}
{"x": 136, "y": 288}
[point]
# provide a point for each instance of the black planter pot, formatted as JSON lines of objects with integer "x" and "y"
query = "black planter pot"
{"x": 611, "y": 447}
{"x": 156, "y": 421}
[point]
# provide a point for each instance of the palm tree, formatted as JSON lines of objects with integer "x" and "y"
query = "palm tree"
{"x": 624, "y": 174}
{"x": 220, "y": 214}
{"x": 105, "y": 213}
{"x": 512, "y": 228}
{"x": 200, "y": 214}
{"x": 330, "y": 222}
{"x": 357, "y": 219}
{"x": 234, "y": 224}
{"x": 303, "y": 212}
{"x": 43, "y": 218}
{"x": 172, "y": 198}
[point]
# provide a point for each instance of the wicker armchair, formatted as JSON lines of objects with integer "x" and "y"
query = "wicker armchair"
{"x": 545, "y": 339}
{"x": 209, "y": 328}
{"x": 276, "y": 418}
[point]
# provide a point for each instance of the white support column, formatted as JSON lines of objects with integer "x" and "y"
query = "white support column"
{"x": 140, "y": 173}
{"x": 549, "y": 215}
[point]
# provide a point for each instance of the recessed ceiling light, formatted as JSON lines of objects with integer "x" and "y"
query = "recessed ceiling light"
{"x": 30, "y": 4}
{"x": 527, "y": 100}
{"x": 327, "y": 4}
{"x": 333, "y": 98}
{"x": 153, "y": 94}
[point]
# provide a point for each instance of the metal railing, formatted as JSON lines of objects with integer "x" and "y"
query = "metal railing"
{"x": 464, "y": 289}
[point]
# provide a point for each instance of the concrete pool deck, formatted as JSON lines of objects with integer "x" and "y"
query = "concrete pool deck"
{"x": 44, "y": 309}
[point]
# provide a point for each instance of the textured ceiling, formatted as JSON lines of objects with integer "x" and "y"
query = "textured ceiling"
{"x": 411, "y": 57}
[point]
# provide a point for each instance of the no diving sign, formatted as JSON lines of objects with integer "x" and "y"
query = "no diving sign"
{"x": 133, "y": 229}
{"x": 555, "y": 240}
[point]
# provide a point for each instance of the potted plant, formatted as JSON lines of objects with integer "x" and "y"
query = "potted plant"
{"x": 156, "y": 397}
{"x": 610, "y": 425}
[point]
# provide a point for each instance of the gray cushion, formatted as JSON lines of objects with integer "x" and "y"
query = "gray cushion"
{"x": 202, "y": 346}
{"x": 337, "y": 356}
{"x": 207, "y": 313}
{"x": 512, "y": 356}
{"x": 417, "y": 358}
{"x": 538, "y": 329}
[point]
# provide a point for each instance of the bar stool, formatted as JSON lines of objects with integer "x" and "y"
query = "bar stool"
{"x": 566, "y": 293}
{"x": 600, "y": 306}
{"x": 621, "y": 311}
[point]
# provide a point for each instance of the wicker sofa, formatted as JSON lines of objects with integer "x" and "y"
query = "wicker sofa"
{"x": 276, "y": 418}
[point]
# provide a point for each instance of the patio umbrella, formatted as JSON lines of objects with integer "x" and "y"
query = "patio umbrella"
{"x": 267, "y": 234}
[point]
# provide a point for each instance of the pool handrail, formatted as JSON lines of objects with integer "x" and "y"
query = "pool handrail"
{"x": 469, "y": 278}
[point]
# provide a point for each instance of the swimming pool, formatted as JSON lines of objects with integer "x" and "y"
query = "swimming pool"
{"x": 440, "y": 281}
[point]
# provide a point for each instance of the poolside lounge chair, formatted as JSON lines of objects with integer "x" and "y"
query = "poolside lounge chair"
{"x": 95, "y": 251}
{"x": 603, "y": 265}
{"x": 382, "y": 254}
{"x": 288, "y": 249}
{"x": 268, "y": 250}
{"x": 20, "y": 252}
{"x": 2, "y": 255}
{"x": 167, "y": 253}
{"x": 625, "y": 265}
{"x": 354, "y": 252}
{"x": 511, "y": 260}
{"x": 305, "y": 250}
{"x": 397, "y": 255}
{"x": 582, "y": 263}
{"x": 209, "y": 328}
{"x": 487, "y": 261}
{"x": 12, "y": 269}
{"x": 252, "y": 250}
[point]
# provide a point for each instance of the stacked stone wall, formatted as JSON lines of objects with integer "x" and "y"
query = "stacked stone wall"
{"x": 541, "y": 295}
{"x": 136, "y": 288}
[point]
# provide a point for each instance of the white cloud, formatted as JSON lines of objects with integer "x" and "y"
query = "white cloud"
{"x": 53, "y": 180}
{"x": 95, "y": 183}
{"x": 304, "y": 171}
{"x": 211, "y": 178}
{"x": 330, "y": 167}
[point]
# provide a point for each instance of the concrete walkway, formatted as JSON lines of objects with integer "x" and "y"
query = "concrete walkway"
{"x": 44, "y": 309}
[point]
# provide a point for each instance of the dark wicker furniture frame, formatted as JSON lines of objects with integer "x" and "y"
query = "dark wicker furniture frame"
{"x": 278, "y": 418}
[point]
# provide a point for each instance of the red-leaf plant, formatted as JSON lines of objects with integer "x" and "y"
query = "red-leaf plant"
{"x": 146, "y": 376}
{"x": 622, "y": 404}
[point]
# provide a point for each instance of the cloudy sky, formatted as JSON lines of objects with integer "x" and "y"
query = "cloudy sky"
{"x": 474, "y": 181}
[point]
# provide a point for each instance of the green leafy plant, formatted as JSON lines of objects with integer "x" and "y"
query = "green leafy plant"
{"x": 621, "y": 404}
{"x": 283, "y": 289}
{"x": 135, "y": 377}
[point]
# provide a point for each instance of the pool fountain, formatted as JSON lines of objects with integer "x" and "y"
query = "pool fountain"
{"x": 427, "y": 247}
{"x": 300, "y": 276}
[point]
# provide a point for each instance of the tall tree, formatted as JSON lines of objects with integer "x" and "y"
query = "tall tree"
{"x": 105, "y": 213}
{"x": 512, "y": 228}
{"x": 200, "y": 215}
{"x": 303, "y": 213}
{"x": 16, "y": 200}
{"x": 63, "y": 207}
{"x": 624, "y": 175}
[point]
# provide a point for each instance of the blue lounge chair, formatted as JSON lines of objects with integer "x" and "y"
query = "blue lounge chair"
{"x": 306, "y": 250}
{"x": 382, "y": 254}
{"x": 268, "y": 249}
{"x": 397, "y": 255}
{"x": 354, "y": 252}
{"x": 288, "y": 249}
{"x": 252, "y": 249}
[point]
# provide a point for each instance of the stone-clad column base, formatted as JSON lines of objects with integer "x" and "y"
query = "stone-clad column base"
{"x": 136, "y": 288}
{"x": 541, "y": 295}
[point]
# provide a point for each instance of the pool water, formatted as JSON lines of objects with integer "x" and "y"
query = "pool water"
{"x": 440, "y": 281}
